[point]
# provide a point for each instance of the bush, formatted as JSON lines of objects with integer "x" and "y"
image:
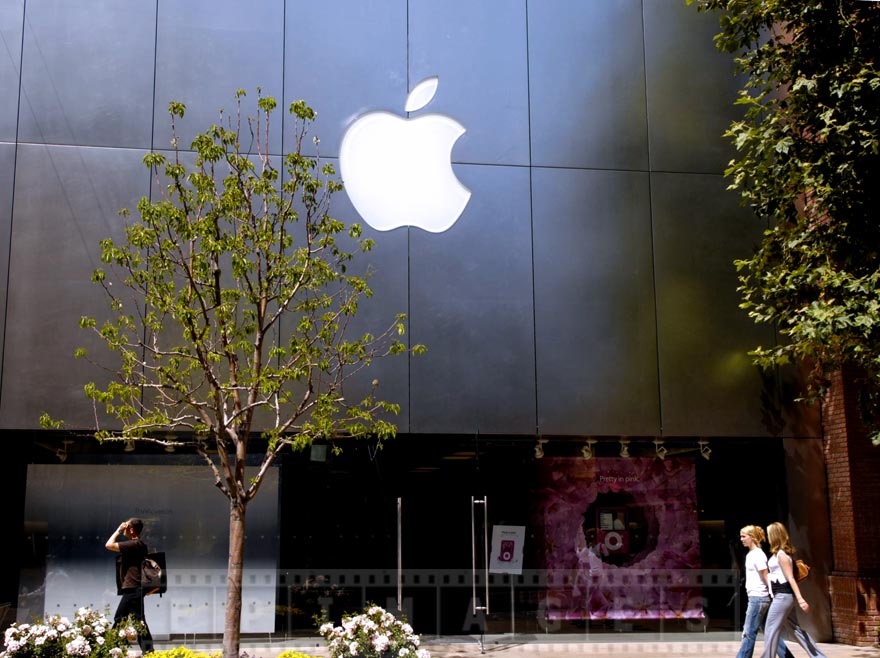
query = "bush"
{"x": 182, "y": 652}
{"x": 374, "y": 633}
{"x": 89, "y": 634}
{"x": 290, "y": 653}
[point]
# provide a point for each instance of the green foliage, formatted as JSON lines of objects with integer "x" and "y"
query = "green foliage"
{"x": 808, "y": 158}
{"x": 238, "y": 290}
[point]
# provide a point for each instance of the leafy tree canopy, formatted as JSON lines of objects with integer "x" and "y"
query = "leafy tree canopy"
{"x": 232, "y": 298}
{"x": 807, "y": 162}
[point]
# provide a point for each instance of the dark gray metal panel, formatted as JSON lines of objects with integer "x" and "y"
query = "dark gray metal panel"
{"x": 205, "y": 50}
{"x": 587, "y": 84}
{"x": 66, "y": 200}
{"x": 478, "y": 50}
{"x": 707, "y": 381}
{"x": 471, "y": 303}
{"x": 691, "y": 89}
{"x": 388, "y": 265}
{"x": 11, "y": 16}
{"x": 87, "y": 72}
{"x": 594, "y": 303}
{"x": 344, "y": 58}
{"x": 7, "y": 173}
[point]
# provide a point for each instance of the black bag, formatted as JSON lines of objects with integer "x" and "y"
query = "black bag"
{"x": 154, "y": 577}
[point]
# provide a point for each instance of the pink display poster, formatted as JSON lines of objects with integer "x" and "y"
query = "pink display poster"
{"x": 621, "y": 538}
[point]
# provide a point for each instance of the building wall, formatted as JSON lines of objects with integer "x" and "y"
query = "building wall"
{"x": 588, "y": 286}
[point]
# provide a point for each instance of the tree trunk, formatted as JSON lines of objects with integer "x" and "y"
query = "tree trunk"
{"x": 234, "y": 577}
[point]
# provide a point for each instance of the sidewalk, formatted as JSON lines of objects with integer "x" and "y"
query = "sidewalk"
{"x": 633, "y": 649}
{"x": 670, "y": 645}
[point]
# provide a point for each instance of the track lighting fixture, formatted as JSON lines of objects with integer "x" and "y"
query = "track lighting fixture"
{"x": 62, "y": 452}
{"x": 587, "y": 450}
{"x": 539, "y": 448}
{"x": 129, "y": 445}
{"x": 705, "y": 450}
{"x": 660, "y": 449}
{"x": 624, "y": 448}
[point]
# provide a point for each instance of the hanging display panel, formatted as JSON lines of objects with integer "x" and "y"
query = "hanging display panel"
{"x": 621, "y": 539}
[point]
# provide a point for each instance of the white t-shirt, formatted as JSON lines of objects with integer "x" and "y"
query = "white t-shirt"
{"x": 756, "y": 562}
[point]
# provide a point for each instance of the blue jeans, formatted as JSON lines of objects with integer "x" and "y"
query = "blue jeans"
{"x": 756, "y": 611}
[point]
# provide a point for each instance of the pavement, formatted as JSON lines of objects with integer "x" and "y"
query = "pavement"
{"x": 670, "y": 645}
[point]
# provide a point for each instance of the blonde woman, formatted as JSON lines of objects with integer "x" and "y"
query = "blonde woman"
{"x": 758, "y": 591}
{"x": 782, "y": 615}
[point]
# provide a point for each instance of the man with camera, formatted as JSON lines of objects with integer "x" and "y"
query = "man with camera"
{"x": 126, "y": 540}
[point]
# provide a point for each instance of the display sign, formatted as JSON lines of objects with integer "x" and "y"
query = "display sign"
{"x": 507, "y": 549}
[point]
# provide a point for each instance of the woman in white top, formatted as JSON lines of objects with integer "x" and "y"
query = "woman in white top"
{"x": 782, "y": 615}
{"x": 758, "y": 591}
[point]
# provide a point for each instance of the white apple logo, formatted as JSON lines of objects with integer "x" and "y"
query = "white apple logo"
{"x": 398, "y": 172}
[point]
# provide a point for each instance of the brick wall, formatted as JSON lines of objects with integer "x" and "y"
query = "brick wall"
{"x": 853, "y": 470}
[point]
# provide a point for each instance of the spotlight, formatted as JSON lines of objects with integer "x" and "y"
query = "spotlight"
{"x": 660, "y": 449}
{"x": 587, "y": 450}
{"x": 705, "y": 450}
{"x": 624, "y": 448}
{"x": 539, "y": 448}
{"x": 62, "y": 452}
{"x": 129, "y": 445}
{"x": 170, "y": 440}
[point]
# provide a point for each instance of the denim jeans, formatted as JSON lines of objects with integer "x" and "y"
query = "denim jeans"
{"x": 756, "y": 611}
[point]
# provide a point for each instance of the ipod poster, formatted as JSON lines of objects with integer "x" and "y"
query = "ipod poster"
{"x": 621, "y": 538}
{"x": 507, "y": 549}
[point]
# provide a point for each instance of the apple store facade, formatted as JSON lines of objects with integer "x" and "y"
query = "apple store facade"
{"x": 585, "y": 435}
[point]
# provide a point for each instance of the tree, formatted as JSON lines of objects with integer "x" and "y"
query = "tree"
{"x": 807, "y": 163}
{"x": 233, "y": 316}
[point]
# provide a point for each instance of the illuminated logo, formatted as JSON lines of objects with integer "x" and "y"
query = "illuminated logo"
{"x": 398, "y": 171}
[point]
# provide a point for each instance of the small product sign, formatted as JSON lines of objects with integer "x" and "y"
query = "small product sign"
{"x": 507, "y": 549}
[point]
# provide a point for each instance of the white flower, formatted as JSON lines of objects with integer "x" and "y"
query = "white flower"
{"x": 353, "y": 648}
{"x": 115, "y": 652}
{"x": 423, "y": 653}
{"x": 78, "y": 647}
{"x": 380, "y": 642}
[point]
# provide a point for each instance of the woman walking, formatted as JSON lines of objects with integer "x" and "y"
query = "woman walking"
{"x": 758, "y": 591}
{"x": 782, "y": 615}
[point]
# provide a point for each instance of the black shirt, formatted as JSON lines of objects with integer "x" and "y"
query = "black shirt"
{"x": 128, "y": 564}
